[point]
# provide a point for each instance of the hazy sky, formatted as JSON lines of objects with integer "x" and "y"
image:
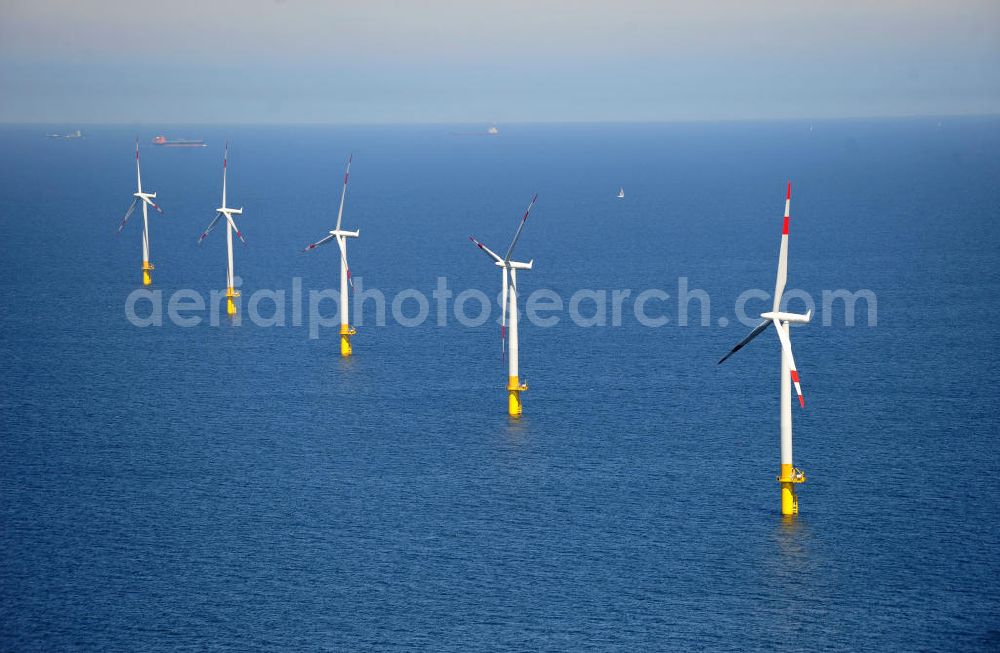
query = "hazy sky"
{"x": 507, "y": 60}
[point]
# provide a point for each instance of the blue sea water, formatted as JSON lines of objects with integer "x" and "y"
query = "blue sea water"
{"x": 244, "y": 487}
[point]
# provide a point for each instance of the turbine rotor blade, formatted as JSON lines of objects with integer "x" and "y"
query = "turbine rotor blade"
{"x": 759, "y": 329}
{"x": 225, "y": 168}
{"x": 138, "y": 174}
{"x": 343, "y": 192}
{"x": 503, "y": 316}
{"x": 342, "y": 246}
{"x": 489, "y": 252}
{"x": 520, "y": 227}
{"x": 235, "y": 228}
{"x": 128, "y": 214}
{"x": 209, "y": 227}
{"x": 786, "y": 345}
{"x": 154, "y": 205}
{"x": 779, "y": 284}
{"x": 321, "y": 241}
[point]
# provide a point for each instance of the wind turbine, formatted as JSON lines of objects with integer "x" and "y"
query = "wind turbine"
{"x": 228, "y": 213}
{"x": 509, "y": 301}
{"x": 790, "y": 475}
{"x": 345, "y": 271}
{"x": 147, "y": 201}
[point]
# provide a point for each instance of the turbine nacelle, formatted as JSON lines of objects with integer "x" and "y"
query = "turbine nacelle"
{"x": 793, "y": 318}
{"x": 343, "y": 233}
{"x": 229, "y": 212}
{"x": 515, "y": 265}
{"x": 144, "y": 196}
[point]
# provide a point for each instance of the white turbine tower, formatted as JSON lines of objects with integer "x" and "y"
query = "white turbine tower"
{"x": 345, "y": 271}
{"x": 147, "y": 201}
{"x": 228, "y": 213}
{"x": 789, "y": 374}
{"x": 509, "y": 301}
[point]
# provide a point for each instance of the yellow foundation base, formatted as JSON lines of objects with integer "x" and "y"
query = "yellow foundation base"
{"x": 346, "y": 331}
{"x": 514, "y": 390}
{"x": 231, "y": 294}
{"x": 147, "y": 278}
{"x": 790, "y": 476}
{"x": 789, "y": 501}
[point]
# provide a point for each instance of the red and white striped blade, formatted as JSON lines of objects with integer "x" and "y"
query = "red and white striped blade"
{"x": 343, "y": 257}
{"x": 343, "y": 192}
{"x": 210, "y": 226}
{"x": 786, "y": 345}
{"x": 779, "y": 284}
{"x": 520, "y": 227}
{"x": 321, "y": 241}
{"x": 489, "y": 252}
{"x": 155, "y": 206}
{"x": 128, "y": 214}
{"x": 138, "y": 174}
{"x": 236, "y": 229}
{"x": 225, "y": 168}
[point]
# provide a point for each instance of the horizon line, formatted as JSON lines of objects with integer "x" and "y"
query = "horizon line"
{"x": 388, "y": 123}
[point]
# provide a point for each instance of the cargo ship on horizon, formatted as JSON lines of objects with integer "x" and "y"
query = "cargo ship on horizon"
{"x": 178, "y": 142}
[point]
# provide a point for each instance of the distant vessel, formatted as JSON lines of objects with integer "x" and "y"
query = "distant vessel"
{"x": 75, "y": 134}
{"x": 621, "y": 193}
{"x": 490, "y": 131}
{"x": 178, "y": 142}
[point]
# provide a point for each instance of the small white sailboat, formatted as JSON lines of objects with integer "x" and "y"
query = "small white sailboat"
{"x": 621, "y": 193}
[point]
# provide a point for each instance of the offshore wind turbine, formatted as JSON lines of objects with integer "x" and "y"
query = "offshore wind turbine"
{"x": 147, "y": 201}
{"x": 224, "y": 211}
{"x": 509, "y": 301}
{"x": 346, "y": 331}
{"x": 790, "y": 475}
